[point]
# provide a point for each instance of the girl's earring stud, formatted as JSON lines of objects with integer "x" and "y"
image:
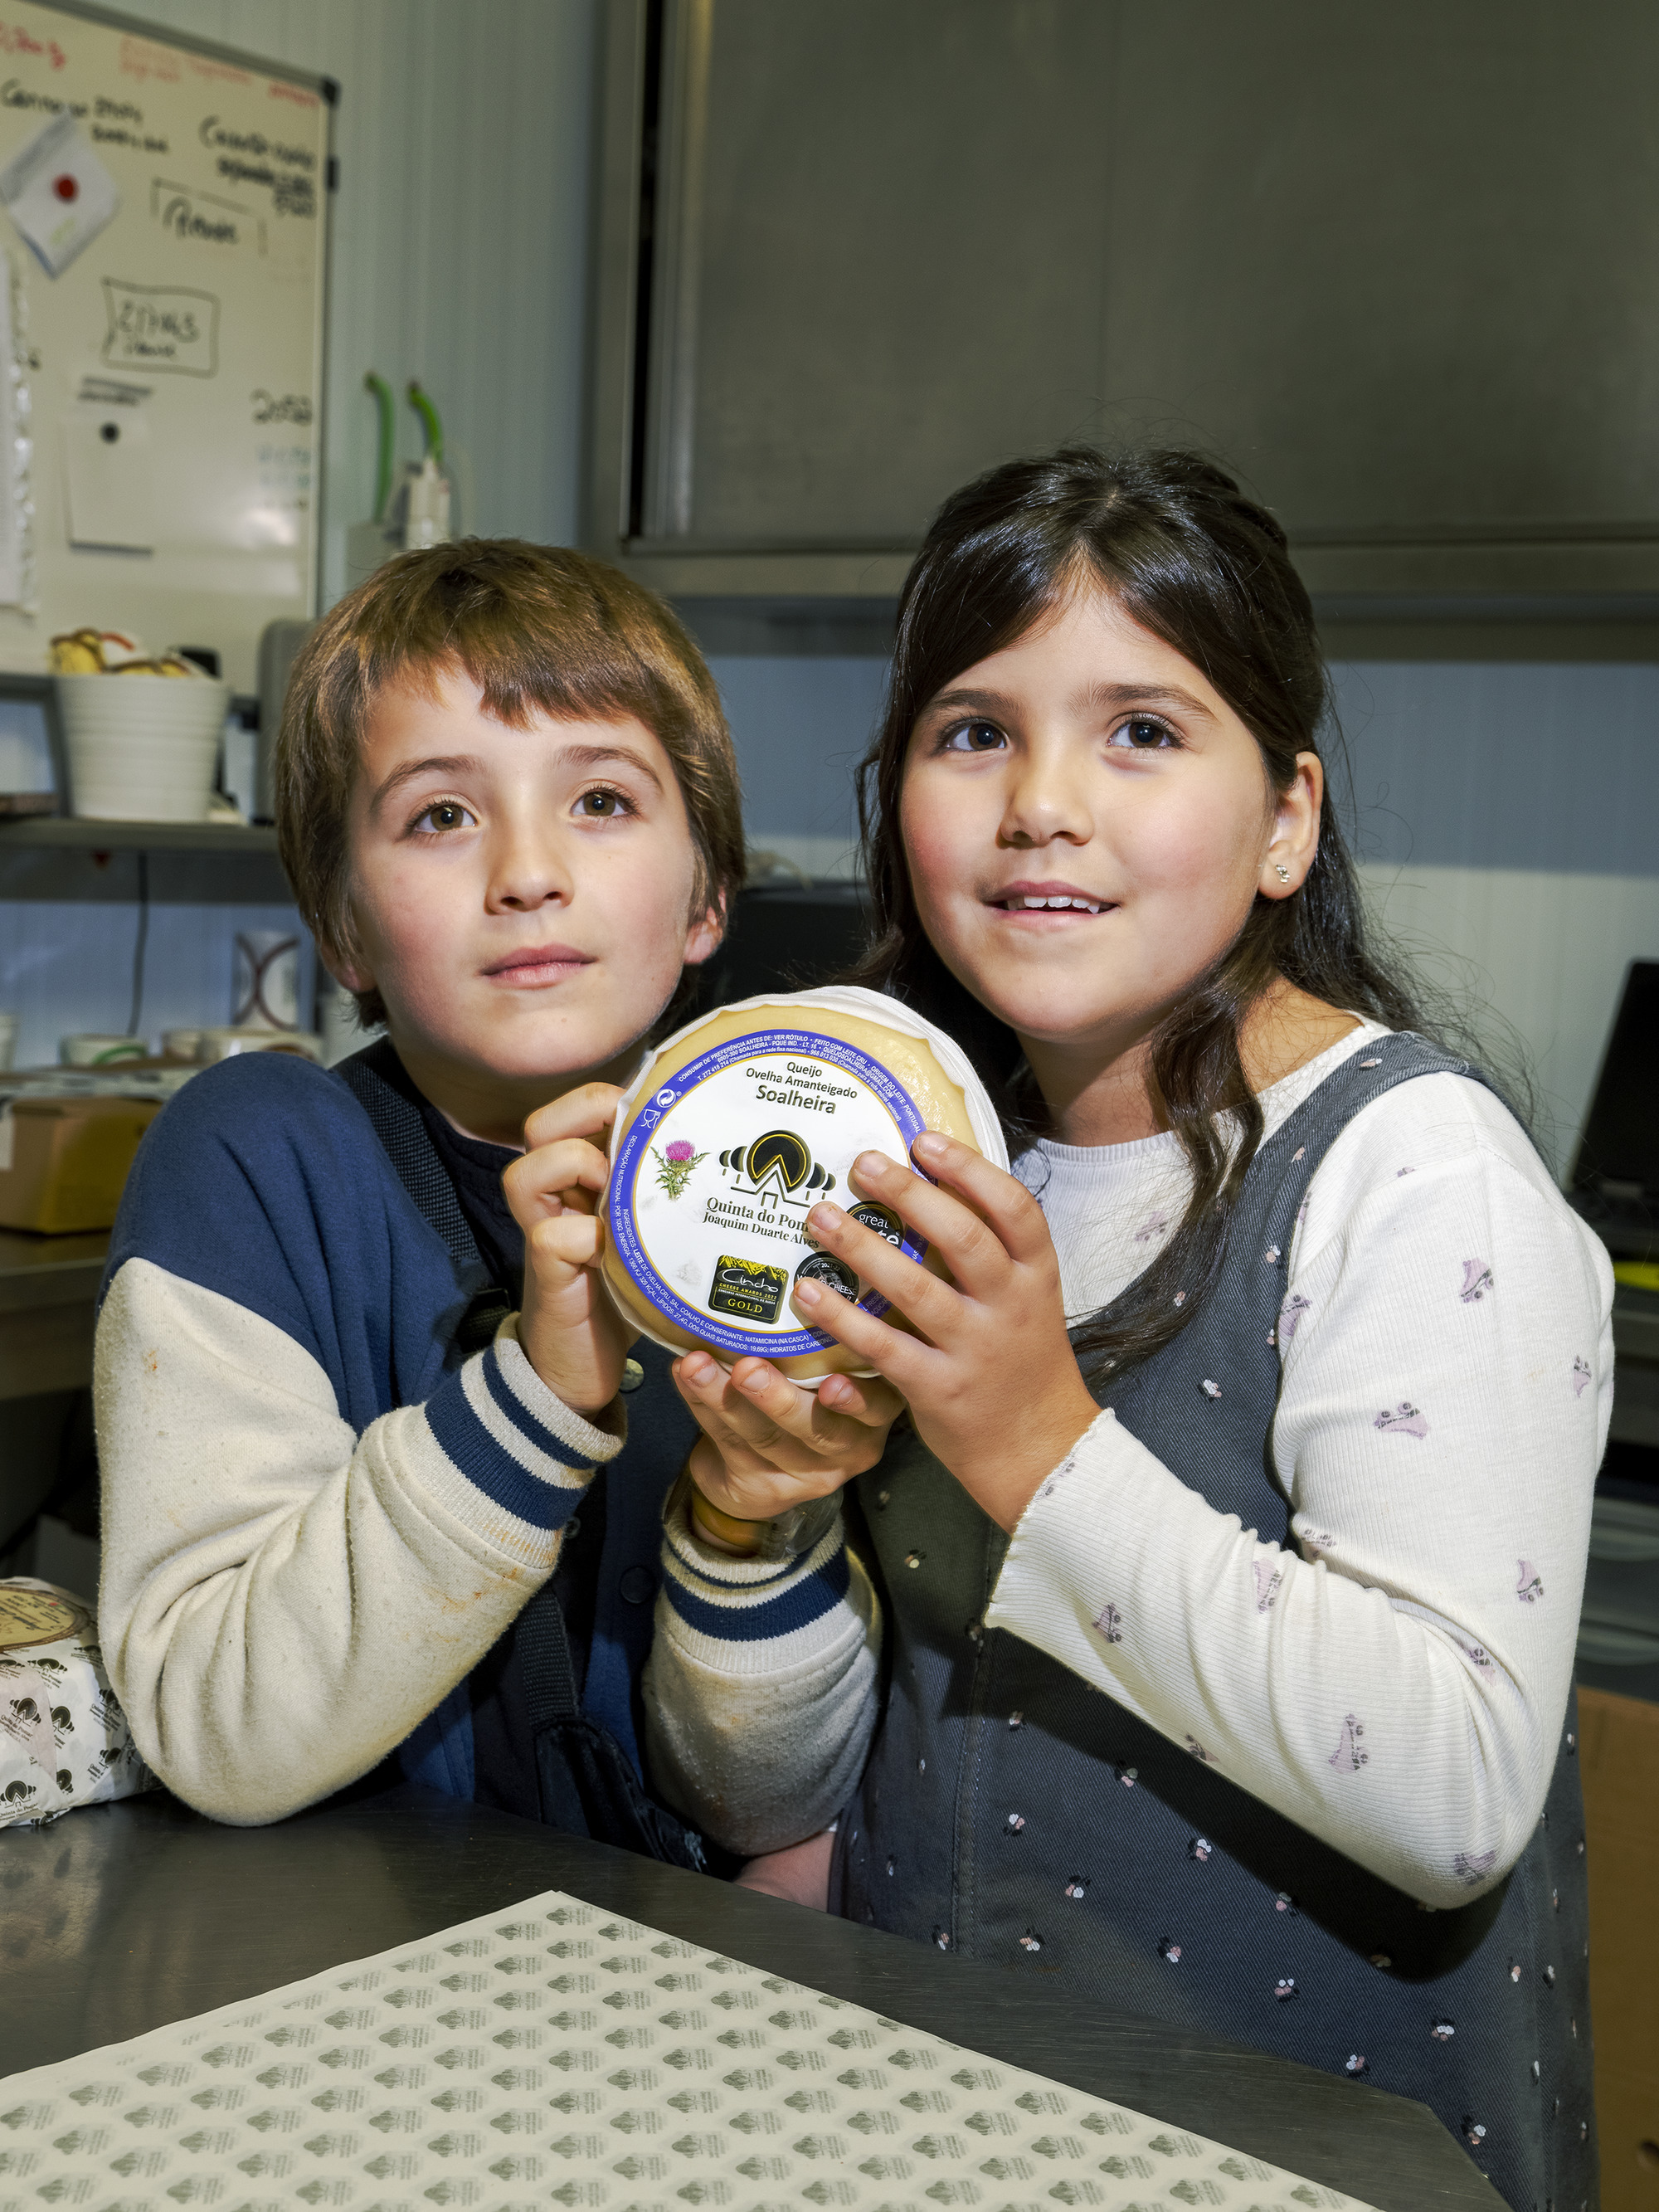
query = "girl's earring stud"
{"x": 1281, "y": 871}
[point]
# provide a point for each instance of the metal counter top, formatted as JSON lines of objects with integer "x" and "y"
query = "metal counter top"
{"x": 119, "y": 1919}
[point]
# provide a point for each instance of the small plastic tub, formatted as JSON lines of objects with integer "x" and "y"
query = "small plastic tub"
{"x": 142, "y": 748}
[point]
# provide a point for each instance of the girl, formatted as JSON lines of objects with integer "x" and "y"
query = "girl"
{"x": 1231, "y": 1559}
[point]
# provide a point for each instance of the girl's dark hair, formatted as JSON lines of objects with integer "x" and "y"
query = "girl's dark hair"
{"x": 1190, "y": 558}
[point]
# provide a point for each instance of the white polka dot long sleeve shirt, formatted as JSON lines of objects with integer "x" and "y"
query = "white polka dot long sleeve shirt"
{"x": 1445, "y": 1347}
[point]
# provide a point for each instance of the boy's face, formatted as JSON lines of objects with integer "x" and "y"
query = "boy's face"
{"x": 522, "y": 897}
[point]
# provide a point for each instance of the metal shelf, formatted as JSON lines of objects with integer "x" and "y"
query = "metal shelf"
{"x": 67, "y": 834}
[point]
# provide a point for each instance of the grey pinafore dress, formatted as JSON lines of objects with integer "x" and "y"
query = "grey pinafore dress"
{"x": 1012, "y": 1812}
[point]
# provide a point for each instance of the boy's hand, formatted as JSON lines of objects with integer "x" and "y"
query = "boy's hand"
{"x": 768, "y": 1445}
{"x": 799, "y": 1873}
{"x": 572, "y": 1334}
{"x": 991, "y": 1379}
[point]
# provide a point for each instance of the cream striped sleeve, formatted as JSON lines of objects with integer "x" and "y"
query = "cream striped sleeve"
{"x": 283, "y": 1600}
{"x": 760, "y": 1693}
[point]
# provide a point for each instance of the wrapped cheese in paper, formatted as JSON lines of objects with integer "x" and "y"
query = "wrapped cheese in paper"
{"x": 734, "y": 1130}
{"x": 63, "y": 1739}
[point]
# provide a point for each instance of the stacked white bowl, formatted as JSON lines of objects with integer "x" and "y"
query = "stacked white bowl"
{"x": 142, "y": 748}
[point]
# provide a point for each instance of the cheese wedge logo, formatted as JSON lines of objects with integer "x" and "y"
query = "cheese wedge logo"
{"x": 782, "y": 1161}
{"x": 779, "y": 1154}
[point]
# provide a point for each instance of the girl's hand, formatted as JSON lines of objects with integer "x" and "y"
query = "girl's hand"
{"x": 572, "y": 1334}
{"x": 768, "y": 1445}
{"x": 993, "y": 1385}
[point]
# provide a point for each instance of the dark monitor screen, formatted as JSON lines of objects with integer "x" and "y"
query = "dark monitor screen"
{"x": 786, "y": 936}
{"x": 1620, "y": 1145}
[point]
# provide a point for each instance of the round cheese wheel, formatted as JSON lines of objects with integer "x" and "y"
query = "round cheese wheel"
{"x": 734, "y": 1130}
{"x": 35, "y": 1613}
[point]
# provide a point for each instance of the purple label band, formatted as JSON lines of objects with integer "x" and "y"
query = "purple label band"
{"x": 636, "y": 1144}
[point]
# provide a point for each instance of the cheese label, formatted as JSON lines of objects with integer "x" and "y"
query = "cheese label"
{"x": 37, "y": 1616}
{"x": 716, "y": 1172}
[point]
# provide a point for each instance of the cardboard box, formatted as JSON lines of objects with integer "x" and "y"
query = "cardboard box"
{"x": 1619, "y": 1746}
{"x": 64, "y": 1161}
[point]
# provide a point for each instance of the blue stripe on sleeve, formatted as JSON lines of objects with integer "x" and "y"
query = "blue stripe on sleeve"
{"x": 798, "y": 1606}
{"x": 468, "y": 1445}
{"x": 523, "y": 1421}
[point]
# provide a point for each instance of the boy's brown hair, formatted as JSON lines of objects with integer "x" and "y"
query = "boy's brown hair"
{"x": 534, "y": 627}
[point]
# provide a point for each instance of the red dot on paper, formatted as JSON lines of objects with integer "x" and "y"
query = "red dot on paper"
{"x": 66, "y": 187}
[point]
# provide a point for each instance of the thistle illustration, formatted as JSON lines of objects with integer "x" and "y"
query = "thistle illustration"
{"x": 674, "y": 1165}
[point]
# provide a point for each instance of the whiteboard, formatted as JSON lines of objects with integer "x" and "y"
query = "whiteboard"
{"x": 164, "y": 387}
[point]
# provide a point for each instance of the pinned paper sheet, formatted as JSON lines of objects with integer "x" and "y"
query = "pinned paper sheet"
{"x": 555, "y": 2052}
{"x": 60, "y": 192}
{"x": 109, "y": 478}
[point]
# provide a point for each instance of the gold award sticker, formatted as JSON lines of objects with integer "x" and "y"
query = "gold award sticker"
{"x": 37, "y": 1616}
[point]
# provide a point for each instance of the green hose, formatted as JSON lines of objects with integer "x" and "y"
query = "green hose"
{"x": 385, "y": 408}
{"x": 430, "y": 423}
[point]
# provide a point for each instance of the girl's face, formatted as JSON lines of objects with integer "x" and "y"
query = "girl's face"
{"x": 1087, "y": 824}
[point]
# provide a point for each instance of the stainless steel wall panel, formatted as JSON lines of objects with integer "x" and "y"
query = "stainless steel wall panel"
{"x": 1399, "y": 264}
{"x": 1397, "y": 267}
{"x": 891, "y": 259}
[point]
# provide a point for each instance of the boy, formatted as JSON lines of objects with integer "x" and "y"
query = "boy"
{"x": 351, "y": 1391}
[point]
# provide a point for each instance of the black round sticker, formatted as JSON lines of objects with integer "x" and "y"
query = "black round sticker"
{"x": 878, "y": 1218}
{"x": 825, "y": 1268}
